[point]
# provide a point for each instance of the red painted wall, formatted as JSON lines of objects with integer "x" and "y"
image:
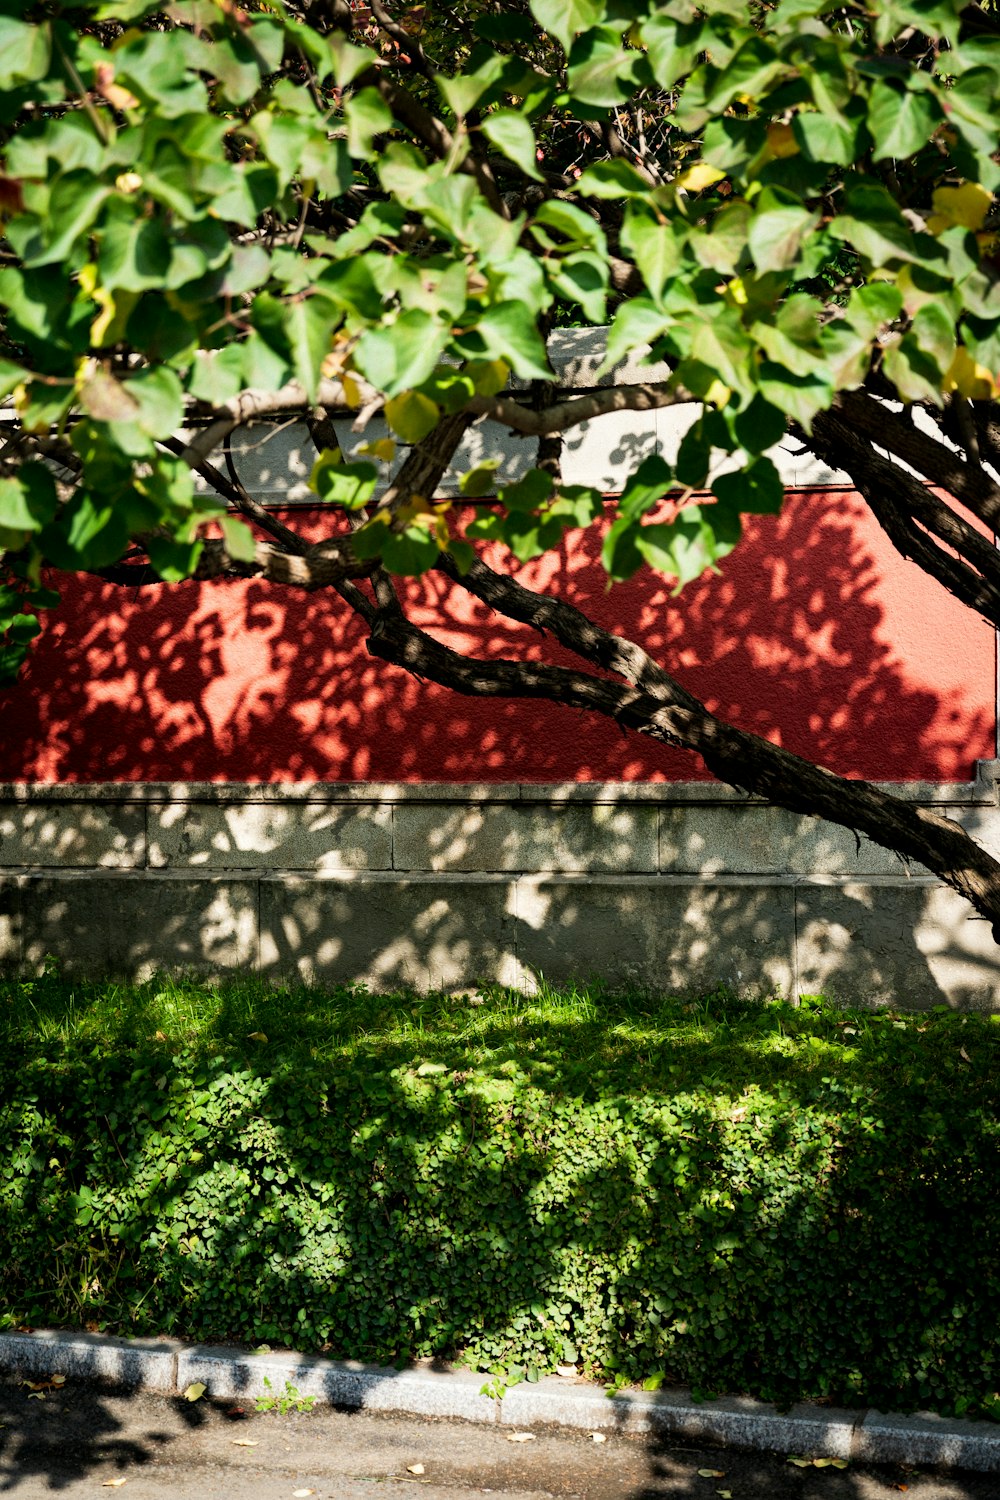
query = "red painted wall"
{"x": 817, "y": 635}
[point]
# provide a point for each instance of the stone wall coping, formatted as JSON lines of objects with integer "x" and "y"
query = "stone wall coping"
{"x": 981, "y": 790}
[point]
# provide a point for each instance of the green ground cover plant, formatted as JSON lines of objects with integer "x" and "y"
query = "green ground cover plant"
{"x": 742, "y": 1195}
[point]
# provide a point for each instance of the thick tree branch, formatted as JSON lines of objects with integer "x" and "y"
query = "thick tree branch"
{"x": 741, "y": 759}
{"x": 565, "y": 414}
{"x": 938, "y": 463}
{"x": 250, "y": 405}
{"x": 908, "y": 513}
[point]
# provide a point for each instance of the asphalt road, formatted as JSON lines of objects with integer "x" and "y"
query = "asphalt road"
{"x": 73, "y": 1442}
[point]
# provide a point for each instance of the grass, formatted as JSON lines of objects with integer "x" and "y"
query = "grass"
{"x": 584, "y": 1040}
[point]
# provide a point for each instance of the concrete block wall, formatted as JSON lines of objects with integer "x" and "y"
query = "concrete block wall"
{"x": 669, "y": 886}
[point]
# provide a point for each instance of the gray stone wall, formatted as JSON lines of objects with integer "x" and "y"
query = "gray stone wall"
{"x": 671, "y": 887}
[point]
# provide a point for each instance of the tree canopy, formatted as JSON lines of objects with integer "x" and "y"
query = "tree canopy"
{"x": 214, "y": 213}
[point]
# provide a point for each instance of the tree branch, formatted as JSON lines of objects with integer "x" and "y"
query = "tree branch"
{"x": 899, "y": 502}
{"x": 933, "y": 459}
{"x": 565, "y": 414}
{"x": 735, "y": 756}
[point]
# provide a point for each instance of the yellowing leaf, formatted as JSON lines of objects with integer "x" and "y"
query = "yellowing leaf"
{"x": 381, "y": 448}
{"x": 245, "y": 1442}
{"x": 711, "y": 1473}
{"x": 970, "y": 378}
{"x": 520, "y": 1437}
{"x": 598, "y": 1437}
{"x": 967, "y": 205}
{"x": 412, "y": 415}
{"x": 839, "y": 1463}
{"x": 301, "y": 1494}
{"x": 113, "y": 1484}
{"x": 194, "y": 1391}
{"x": 352, "y": 391}
{"x": 781, "y": 141}
{"x": 698, "y": 176}
{"x": 801, "y": 1463}
{"x": 725, "y": 1494}
{"x": 415, "y": 1469}
{"x": 58, "y": 1380}
{"x": 256, "y": 1036}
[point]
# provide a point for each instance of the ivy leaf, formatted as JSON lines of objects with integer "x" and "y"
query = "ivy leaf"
{"x": 901, "y": 121}
{"x": 652, "y": 245}
{"x": 777, "y": 229}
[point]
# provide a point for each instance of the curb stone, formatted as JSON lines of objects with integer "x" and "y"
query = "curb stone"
{"x": 167, "y": 1366}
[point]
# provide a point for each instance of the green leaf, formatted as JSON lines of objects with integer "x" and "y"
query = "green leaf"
{"x": 874, "y": 225}
{"x": 511, "y": 133}
{"x": 578, "y": 227}
{"x": 638, "y": 321}
{"x": 508, "y": 334}
{"x": 564, "y": 19}
{"x": 173, "y": 560}
{"x": 28, "y": 501}
{"x": 653, "y": 246}
{"x": 901, "y": 121}
{"x": 645, "y": 487}
{"x": 367, "y": 116}
{"x": 239, "y": 539}
{"x": 583, "y": 278}
{"x": 529, "y": 493}
{"x": 11, "y": 376}
{"x": 601, "y": 73}
{"x": 338, "y": 483}
{"x": 613, "y": 179}
{"x": 160, "y": 399}
{"x": 826, "y": 138}
{"x": 673, "y": 46}
{"x": 684, "y": 548}
{"x": 757, "y": 489}
{"x": 401, "y": 354}
{"x": 481, "y": 480}
{"x": 25, "y": 52}
{"x": 308, "y": 326}
{"x": 751, "y": 71}
{"x": 759, "y": 426}
{"x": 777, "y": 229}
{"x": 74, "y": 204}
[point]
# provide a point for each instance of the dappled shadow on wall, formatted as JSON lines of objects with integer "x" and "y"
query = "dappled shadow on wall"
{"x": 816, "y": 634}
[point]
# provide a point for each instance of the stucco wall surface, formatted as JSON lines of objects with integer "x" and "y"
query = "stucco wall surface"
{"x": 815, "y": 633}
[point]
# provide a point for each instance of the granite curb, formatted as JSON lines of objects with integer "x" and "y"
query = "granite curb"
{"x": 167, "y": 1366}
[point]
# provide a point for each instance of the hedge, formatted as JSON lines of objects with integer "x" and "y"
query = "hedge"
{"x": 809, "y": 1238}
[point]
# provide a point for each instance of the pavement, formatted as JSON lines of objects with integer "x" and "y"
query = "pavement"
{"x": 84, "y": 1431}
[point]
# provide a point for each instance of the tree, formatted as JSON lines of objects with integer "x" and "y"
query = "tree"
{"x": 216, "y": 213}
